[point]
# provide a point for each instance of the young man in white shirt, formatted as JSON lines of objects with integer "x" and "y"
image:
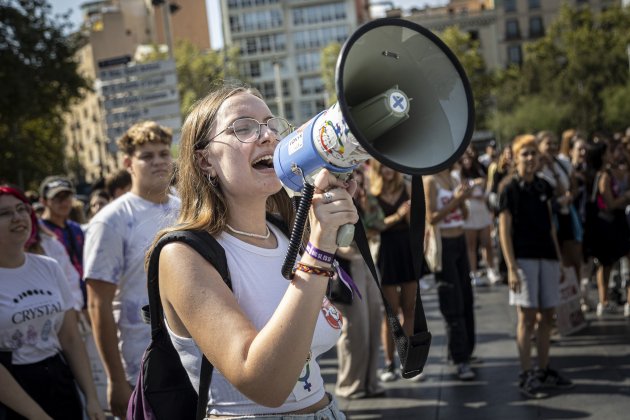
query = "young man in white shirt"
{"x": 117, "y": 239}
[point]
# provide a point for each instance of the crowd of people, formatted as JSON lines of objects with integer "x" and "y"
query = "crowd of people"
{"x": 527, "y": 215}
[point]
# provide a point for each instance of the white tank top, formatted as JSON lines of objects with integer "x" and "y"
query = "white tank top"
{"x": 455, "y": 218}
{"x": 258, "y": 285}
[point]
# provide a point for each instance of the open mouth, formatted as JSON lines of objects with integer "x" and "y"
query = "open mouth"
{"x": 263, "y": 162}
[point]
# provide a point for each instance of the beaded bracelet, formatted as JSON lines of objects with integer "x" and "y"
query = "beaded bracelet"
{"x": 318, "y": 271}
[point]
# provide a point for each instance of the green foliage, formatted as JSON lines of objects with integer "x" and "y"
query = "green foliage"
{"x": 39, "y": 79}
{"x": 198, "y": 71}
{"x": 582, "y": 55}
{"x": 468, "y": 53}
{"x": 616, "y": 100}
{"x": 329, "y": 56}
{"x": 529, "y": 115}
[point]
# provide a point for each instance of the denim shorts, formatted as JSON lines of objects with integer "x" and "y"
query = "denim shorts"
{"x": 330, "y": 412}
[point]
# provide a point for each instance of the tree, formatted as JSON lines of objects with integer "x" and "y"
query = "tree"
{"x": 582, "y": 55}
{"x": 197, "y": 70}
{"x": 39, "y": 79}
{"x": 530, "y": 114}
{"x": 329, "y": 56}
{"x": 616, "y": 100}
{"x": 468, "y": 53}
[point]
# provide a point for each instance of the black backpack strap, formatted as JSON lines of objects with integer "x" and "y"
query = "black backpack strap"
{"x": 413, "y": 351}
{"x": 205, "y": 376}
{"x": 213, "y": 252}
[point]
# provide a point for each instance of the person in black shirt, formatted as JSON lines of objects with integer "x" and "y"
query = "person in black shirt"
{"x": 531, "y": 251}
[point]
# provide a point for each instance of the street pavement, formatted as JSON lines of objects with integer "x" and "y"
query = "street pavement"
{"x": 596, "y": 359}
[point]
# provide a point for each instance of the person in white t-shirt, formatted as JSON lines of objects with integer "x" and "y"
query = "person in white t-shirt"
{"x": 41, "y": 351}
{"x": 263, "y": 338}
{"x": 117, "y": 239}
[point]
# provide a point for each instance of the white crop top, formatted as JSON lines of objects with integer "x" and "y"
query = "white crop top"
{"x": 455, "y": 218}
{"x": 258, "y": 285}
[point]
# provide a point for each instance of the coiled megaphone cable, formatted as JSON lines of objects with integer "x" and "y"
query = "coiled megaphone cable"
{"x": 301, "y": 216}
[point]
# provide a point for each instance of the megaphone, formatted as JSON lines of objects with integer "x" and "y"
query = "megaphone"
{"x": 403, "y": 99}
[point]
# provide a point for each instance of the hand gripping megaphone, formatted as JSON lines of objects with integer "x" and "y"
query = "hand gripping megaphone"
{"x": 403, "y": 99}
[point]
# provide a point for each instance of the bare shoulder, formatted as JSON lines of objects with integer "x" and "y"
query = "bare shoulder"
{"x": 181, "y": 262}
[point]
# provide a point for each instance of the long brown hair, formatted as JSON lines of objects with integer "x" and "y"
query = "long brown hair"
{"x": 203, "y": 205}
{"x": 377, "y": 184}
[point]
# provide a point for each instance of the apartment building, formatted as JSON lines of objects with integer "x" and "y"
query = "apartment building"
{"x": 114, "y": 29}
{"x": 520, "y": 21}
{"x": 280, "y": 45}
{"x": 476, "y": 17}
{"x": 502, "y": 27}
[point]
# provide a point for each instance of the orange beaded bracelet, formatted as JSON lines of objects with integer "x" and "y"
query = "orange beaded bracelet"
{"x": 318, "y": 271}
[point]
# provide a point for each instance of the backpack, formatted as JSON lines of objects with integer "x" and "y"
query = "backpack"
{"x": 163, "y": 389}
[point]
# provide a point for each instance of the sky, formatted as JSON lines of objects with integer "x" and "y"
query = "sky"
{"x": 61, "y": 6}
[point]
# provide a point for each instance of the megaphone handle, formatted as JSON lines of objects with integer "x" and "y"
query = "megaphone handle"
{"x": 301, "y": 216}
{"x": 345, "y": 235}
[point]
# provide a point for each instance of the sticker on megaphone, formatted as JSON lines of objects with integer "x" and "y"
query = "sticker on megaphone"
{"x": 325, "y": 141}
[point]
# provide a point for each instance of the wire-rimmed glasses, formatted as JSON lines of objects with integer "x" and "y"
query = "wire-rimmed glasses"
{"x": 247, "y": 130}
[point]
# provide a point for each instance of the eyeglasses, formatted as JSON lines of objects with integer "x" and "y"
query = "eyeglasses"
{"x": 22, "y": 210}
{"x": 247, "y": 130}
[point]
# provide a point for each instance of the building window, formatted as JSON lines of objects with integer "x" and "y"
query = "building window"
{"x": 288, "y": 111}
{"x": 511, "y": 29}
{"x": 515, "y": 55}
{"x": 235, "y": 24}
{"x": 251, "y": 45}
{"x": 311, "y": 85}
{"x": 308, "y": 62}
{"x": 265, "y": 43}
{"x": 320, "y": 13}
{"x": 509, "y": 5}
{"x": 534, "y": 4}
{"x": 536, "y": 28}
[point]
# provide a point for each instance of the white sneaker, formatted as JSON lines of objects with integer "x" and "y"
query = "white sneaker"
{"x": 493, "y": 276}
{"x": 418, "y": 378}
{"x": 478, "y": 281}
{"x": 427, "y": 282}
{"x": 626, "y": 310}
{"x": 608, "y": 308}
{"x": 388, "y": 374}
{"x": 464, "y": 372}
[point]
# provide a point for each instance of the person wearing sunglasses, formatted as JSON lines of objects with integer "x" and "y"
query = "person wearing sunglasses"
{"x": 265, "y": 336}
